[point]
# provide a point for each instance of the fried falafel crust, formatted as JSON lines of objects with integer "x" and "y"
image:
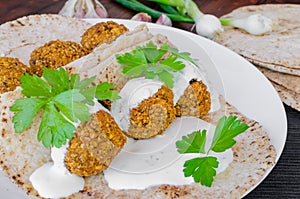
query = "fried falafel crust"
{"x": 54, "y": 54}
{"x": 11, "y": 69}
{"x": 103, "y": 32}
{"x": 94, "y": 145}
{"x": 153, "y": 115}
{"x": 195, "y": 101}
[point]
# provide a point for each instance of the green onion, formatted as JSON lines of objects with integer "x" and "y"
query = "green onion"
{"x": 168, "y": 9}
{"x": 139, "y": 7}
{"x": 226, "y": 22}
{"x": 189, "y": 6}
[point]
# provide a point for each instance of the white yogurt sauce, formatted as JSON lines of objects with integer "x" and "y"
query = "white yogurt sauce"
{"x": 53, "y": 180}
{"x": 144, "y": 163}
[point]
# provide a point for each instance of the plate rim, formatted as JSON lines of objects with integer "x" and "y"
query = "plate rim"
{"x": 151, "y": 25}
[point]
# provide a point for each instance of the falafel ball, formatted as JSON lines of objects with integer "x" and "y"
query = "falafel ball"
{"x": 11, "y": 69}
{"x": 103, "y": 32}
{"x": 153, "y": 115}
{"x": 94, "y": 145}
{"x": 195, "y": 101}
{"x": 54, "y": 54}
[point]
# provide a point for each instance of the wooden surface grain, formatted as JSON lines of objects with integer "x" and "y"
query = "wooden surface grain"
{"x": 284, "y": 180}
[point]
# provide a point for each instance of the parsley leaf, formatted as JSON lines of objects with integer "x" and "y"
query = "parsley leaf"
{"x": 26, "y": 109}
{"x": 54, "y": 128}
{"x": 88, "y": 92}
{"x": 226, "y": 130}
{"x": 172, "y": 64}
{"x": 135, "y": 59}
{"x": 35, "y": 86}
{"x": 192, "y": 143}
{"x": 167, "y": 78}
{"x": 201, "y": 169}
{"x": 153, "y": 62}
{"x": 57, "y": 80}
{"x": 75, "y": 82}
{"x": 67, "y": 102}
{"x": 183, "y": 55}
{"x": 104, "y": 91}
{"x": 152, "y": 53}
{"x": 63, "y": 99}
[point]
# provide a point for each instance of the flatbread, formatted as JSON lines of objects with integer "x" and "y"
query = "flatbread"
{"x": 21, "y": 154}
{"x": 278, "y": 50}
{"x": 20, "y": 37}
{"x": 290, "y": 82}
{"x": 289, "y": 97}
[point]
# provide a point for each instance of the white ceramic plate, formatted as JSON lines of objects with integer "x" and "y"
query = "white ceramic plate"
{"x": 240, "y": 82}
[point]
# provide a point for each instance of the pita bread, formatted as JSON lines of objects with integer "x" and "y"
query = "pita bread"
{"x": 20, "y": 37}
{"x": 289, "y": 97}
{"x": 290, "y": 82}
{"x": 21, "y": 154}
{"x": 278, "y": 50}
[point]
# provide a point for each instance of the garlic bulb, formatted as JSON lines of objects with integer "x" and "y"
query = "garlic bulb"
{"x": 84, "y": 9}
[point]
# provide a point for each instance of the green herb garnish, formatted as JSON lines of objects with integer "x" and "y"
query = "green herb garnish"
{"x": 151, "y": 61}
{"x": 203, "y": 169}
{"x": 63, "y": 98}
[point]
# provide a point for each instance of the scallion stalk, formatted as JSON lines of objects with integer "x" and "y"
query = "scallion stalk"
{"x": 174, "y": 3}
{"x": 168, "y": 9}
{"x": 139, "y": 7}
{"x": 226, "y": 22}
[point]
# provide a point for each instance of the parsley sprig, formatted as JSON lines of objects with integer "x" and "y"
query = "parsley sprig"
{"x": 154, "y": 62}
{"x": 203, "y": 169}
{"x": 63, "y": 99}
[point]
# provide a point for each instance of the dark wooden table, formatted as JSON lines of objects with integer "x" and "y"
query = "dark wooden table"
{"x": 284, "y": 180}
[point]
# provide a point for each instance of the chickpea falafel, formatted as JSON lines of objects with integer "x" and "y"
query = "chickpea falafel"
{"x": 94, "y": 145}
{"x": 54, "y": 54}
{"x": 195, "y": 101}
{"x": 153, "y": 115}
{"x": 103, "y": 32}
{"x": 11, "y": 69}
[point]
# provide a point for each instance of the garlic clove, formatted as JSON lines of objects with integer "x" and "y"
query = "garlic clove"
{"x": 91, "y": 6}
{"x": 68, "y": 8}
{"x": 141, "y": 16}
{"x": 164, "y": 20}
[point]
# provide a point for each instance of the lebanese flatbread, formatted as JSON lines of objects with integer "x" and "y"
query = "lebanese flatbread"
{"x": 278, "y": 50}
{"x": 290, "y": 82}
{"x": 21, "y": 154}
{"x": 289, "y": 97}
